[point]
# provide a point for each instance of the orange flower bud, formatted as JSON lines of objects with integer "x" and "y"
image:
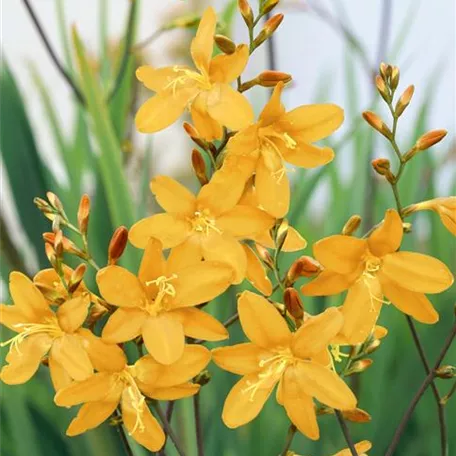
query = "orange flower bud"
{"x": 58, "y": 244}
{"x": 394, "y": 80}
{"x": 199, "y": 166}
{"x": 271, "y": 78}
{"x": 381, "y": 87}
{"x": 293, "y": 304}
{"x": 375, "y": 122}
{"x": 446, "y": 372}
{"x": 356, "y": 415}
{"x": 372, "y": 346}
{"x": 50, "y": 253}
{"x": 382, "y": 167}
{"x": 281, "y": 234}
{"x": 225, "y": 44}
{"x": 304, "y": 266}
{"x": 76, "y": 278}
{"x": 430, "y": 138}
{"x": 246, "y": 12}
{"x": 117, "y": 245}
{"x": 268, "y": 29}
{"x": 264, "y": 255}
{"x": 83, "y": 214}
{"x": 359, "y": 366}
{"x": 352, "y": 225}
{"x": 45, "y": 208}
{"x": 385, "y": 71}
{"x": 68, "y": 245}
{"x": 55, "y": 201}
{"x": 268, "y": 6}
{"x": 404, "y": 100}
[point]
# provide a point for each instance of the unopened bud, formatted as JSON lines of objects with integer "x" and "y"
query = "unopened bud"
{"x": 359, "y": 366}
{"x": 76, "y": 278}
{"x": 246, "y": 12}
{"x": 352, "y": 225}
{"x": 264, "y": 255}
{"x": 268, "y": 29}
{"x": 281, "y": 234}
{"x": 375, "y": 122}
{"x": 68, "y": 245}
{"x": 268, "y": 6}
{"x": 446, "y": 372}
{"x": 58, "y": 244}
{"x": 430, "y": 139}
{"x": 50, "y": 253}
{"x": 199, "y": 166}
{"x": 382, "y": 167}
{"x": 45, "y": 208}
{"x": 372, "y": 346}
{"x": 194, "y": 135}
{"x": 117, "y": 245}
{"x": 404, "y": 100}
{"x": 203, "y": 378}
{"x": 225, "y": 44}
{"x": 385, "y": 71}
{"x": 55, "y": 201}
{"x": 382, "y": 88}
{"x": 304, "y": 266}
{"x": 56, "y": 224}
{"x": 182, "y": 22}
{"x": 293, "y": 304}
{"x": 356, "y": 415}
{"x": 394, "y": 79}
{"x": 270, "y": 78}
{"x": 84, "y": 213}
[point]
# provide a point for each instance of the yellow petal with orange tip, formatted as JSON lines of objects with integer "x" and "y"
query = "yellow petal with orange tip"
{"x": 307, "y": 155}
{"x": 141, "y": 424}
{"x": 11, "y": 317}
{"x": 256, "y": 273}
{"x": 261, "y": 321}
{"x": 124, "y": 324}
{"x": 298, "y": 404}
{"x": 325, "y": 385}
{"x": 90, "y": 416}
{"x": 243, "y": 405}
{"x": 72, "y": 313}
{"x": 169, "y": 229}
{"x": 227, "y": 67}
{"x": 313, "y": 122}
{"x": 157, "y": 79}
{"x": 25, "y": 360}
{"x": 229, "y": 107}
{"x": 172, "y": 393}
{"x": 411, "y": 303}
{"x": 59, "y": 376}
{"x": 328, "y": 283}
{"x": 200, "y": 325}
{"x": 152, "y": 265}
{"x": 203, "y": 43}
{"x": 207, "y": 127}
{"x": 361, "y": 309}
{"x": 339, "y": 253}
{"x": 380, "y": 332}
{"x": 293, "y": 242}
{"x": 387, "y": 237}
{"x": 315, "y": 333}
{"x": 245, "y": 221}
{"x": 183, "y": 255}
{"x": 200, "y": 283}
{"x": 241, "y": 359}
{"x": 417, "y": 272}
{"x": 361, "y": 448}
{"x": 172, "y": 196}
{"x": 274, "y": 108}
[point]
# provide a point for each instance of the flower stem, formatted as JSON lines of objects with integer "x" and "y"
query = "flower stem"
{"x": 122, "y": 435}
{"x": 169, "y": 431}
{"x": 346, "y": 432}
{"x": 198, "y": 425}
{"x": 290, "y": 435}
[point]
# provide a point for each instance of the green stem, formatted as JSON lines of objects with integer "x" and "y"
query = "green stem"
{"x": 291, "y": 433}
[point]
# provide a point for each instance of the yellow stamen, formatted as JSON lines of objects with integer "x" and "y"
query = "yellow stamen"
{"x": 138, "y": 401}
{"x": 185, "y": 75}
{"x": 164, "y": 289}
{"x": 203, "y": 222}
{"x": 337, "y": 354}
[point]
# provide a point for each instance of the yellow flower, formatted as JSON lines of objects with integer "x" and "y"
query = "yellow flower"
{"x": 212, "y": 102}
{"x": 361, "y": 448}
{"x": 128, "y": 385}
{"x": 296, "y": 362}
{"x": 445, "y": 207}
{"x": 73, "y": 351}
{"x": 278, "y": 137}
{"x": 159, "y": 303}
{"x": 372, "y": 268}
{"x": 207, "y": 226}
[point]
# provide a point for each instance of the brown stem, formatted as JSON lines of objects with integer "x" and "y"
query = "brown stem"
{"x": 198, "y": 425}
{"x": 291, "y": 433}
{"x": 346, "y": 432}
{"x": 168, "y": 429}
{"x": 122, "y": 435}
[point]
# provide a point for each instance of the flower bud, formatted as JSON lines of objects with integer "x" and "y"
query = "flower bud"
{"x": 268, "y": 6}
{"x": 404, "y": 100}
{"x": 268, "y": 29}
{"x": 58, "y": 244}
{"x": 385, "y": 71}
{"x": 187, "y": 21}
{"x": 55, "y": 202}
{"x": 203, "y": 378}
{"x": 356, "y": 415}
{"x": 45, "y": 208}
{"x": 446, "y": 372}
{"x": 304, "y": 266}
{"x": 199, "y": 166}
{"x": 379, "y": 332}
{"x": 382, "y": 167}
{"x": 394, "y": 79}
{"x": 293, "y": 304}
{"x": 50, "y": 253}
{"x": 382, "y": 89}
{"x": 281, "y": 234}
{"x": 68, "y": 245}
{"x": 246, "y": 12}
{"x": 264, "y": 255}
{"x": 372, "y": 346}
{"x": 270, "y": 78}
{"x": 352, "y": 225}
{"x": 359, "y": 366}
{"x": 225, "y": 44}
{"x": 76, "y": 278}
{"x": 56, "y": 223}
{"x": 375, "y": 122}
{"x": 430, "y": 138}
{"x": 83, "y": 214}
{"x": 117, "y": 245}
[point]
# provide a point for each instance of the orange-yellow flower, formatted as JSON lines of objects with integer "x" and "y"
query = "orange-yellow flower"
{"x": 207, "y": 92}
{"x": 445, "y": 207}
{"x": 278, "y": 137}
{"x": 118, "y": 382}
{"x": 296, "y": 362}
{"x": 208, "y": 226}
{"x": 160, "y": 303}
{"x": 361, "y": 448}
{"x": 73, "y": 350}
{"x": 372, "y": 268}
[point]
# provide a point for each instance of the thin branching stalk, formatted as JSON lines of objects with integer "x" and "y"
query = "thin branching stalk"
{"x": 291, "y": 433}
{"x": 169, "y": 431}
{"x": 122, "y": 435}
{"x": 346, "y": 432}
{"x": 198, "y": 425}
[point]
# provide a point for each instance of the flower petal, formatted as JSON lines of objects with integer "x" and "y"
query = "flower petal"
{"x": 200, "y": 325}
{"x": 325, "y": 385}
{"x": 25, "y": 360}
{"x": 256, "y": 273}
{"x": 245, "y": 221}
{"x": 152, "y": 264}
{"x": 298, "y": 404}
{"x": 387, "y": 237}
{"x": 123, "y": 325}
{"x": 316, "y": 333}
{"x": 184, "y": 255}
{"x": 203, "y": 43}
{"x": 169, "y": 229}
{"x": 59, "y": 376}
{"x": 157, "y": 79}
{"x": 201, "y": 283}
{"x": 227, "y": 67}
{"x": 90, "y": 416}
{"x": 241, "y": 359}
{"x": 307, "y": 155}
{"x": 261, "y": 322}
{"x": 172, "y": 196}
{"x": 274, "y": 108}
{"x": 241, "y": 406}
{"x": 164, "y": 338}
{"x": 410, "y": 302}
{"x": 172, "y": 393}
{"x": 208, "y": 128}
{"x": 417, "y": 272}
{"x": 361, "y": 448}
{"x": 11, "y": 316}
{"x": 72, "y": 313}
{"x": 328, "y": 283}
{"x": 293, "y": 242}
{"x": 361, "y": 309}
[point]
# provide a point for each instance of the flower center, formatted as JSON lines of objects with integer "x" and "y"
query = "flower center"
{"x": 203, "y": 222}
{"x": 272, "y": 156}
{"x": 165, "y": 289}
{"x": 371, "y": 266}
{"x": 137, "y": 400}
{"x": 185, "y": 76}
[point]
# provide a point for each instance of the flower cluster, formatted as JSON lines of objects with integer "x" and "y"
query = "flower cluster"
{"x": 232, "y": 230}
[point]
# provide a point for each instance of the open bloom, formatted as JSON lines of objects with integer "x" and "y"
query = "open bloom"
{"x": 73, "y": 351}
{"x": 159, "y": 303}
{"x": 372, "y": 268}
{"x": 445, "y": 207}
{"x": 361, "y": 448}
{"x": 278, "y": 137}
{"x": 118, "y": 382}
{"x": 296, "y": 362}
{"x": 208, "y": 226}
{"x": 212, "y": 102}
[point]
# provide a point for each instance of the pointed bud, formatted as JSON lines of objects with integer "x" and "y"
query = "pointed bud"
{"x": 372, "y": 346}
{"x": 446, "y": 372}
{"x": 50, "y": 253}
{"x": 429, "y": 139}
{"x": 382, "y": 167}
{"x": 83, "y": 214}
{"x": 76, "y": 278}
{"x": 359, "y": 366}
{"x": 356, "y": 415}
{"x": 225, "y": 44}
{"x": 304, "y": 266}
{"x": 352, "y": 225}
{"x": 203, "y": 378}
{"x": 194, "y": 135}
{"x": 45, "y": 208}
{"x": 270, "y": 78}
{"x": 117, "y": 245}
{"x": 375, "y": 122}
{"x": 58, "y": 244}
{"x": 68, "y": 245}
{"x": 268, "y": 29}
{"x": 56, "y": 224}
{"x": 385, "y": 71}
{"x": 264, "y": 255}
{"x": 382, "y": 89}
{"x": 404, "y": 100}
{"x": 199, "y": 166}
{"x": 281, "y": 234}
{"x": 246, "y": 12}
{"x": 55, "y": 202}
{"x": 293, "y": 304}
{"x": 268, "y": 6}
{"x": 394, "y": 80}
